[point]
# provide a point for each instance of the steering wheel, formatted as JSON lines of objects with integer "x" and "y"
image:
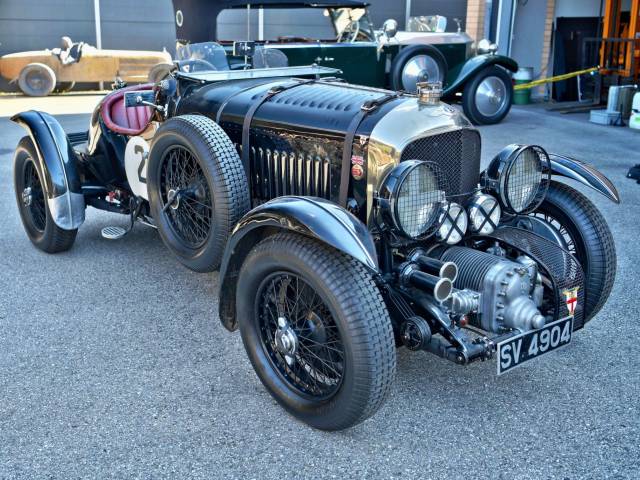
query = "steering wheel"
{"x": 350, "y": 33}
{"x": 195, "y": 65}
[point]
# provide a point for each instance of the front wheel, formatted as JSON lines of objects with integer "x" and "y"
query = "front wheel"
{"x": 579, "y": 227}
{"x": 316, "y": 330}
{"x": 37, "y": 80}
{"x": 487, "y": 98}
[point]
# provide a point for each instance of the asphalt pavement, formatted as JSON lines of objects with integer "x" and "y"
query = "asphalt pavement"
{"x": 113, "y": 364}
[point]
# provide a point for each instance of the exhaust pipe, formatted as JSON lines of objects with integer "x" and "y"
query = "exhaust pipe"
{"x": 439, "y": 288}
{"x": 434, "y": 266}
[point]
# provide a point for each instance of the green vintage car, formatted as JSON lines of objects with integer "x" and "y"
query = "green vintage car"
{"x": 385, "y": 58}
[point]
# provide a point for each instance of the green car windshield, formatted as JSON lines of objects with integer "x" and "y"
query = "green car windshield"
{"x": 352, "y": 24}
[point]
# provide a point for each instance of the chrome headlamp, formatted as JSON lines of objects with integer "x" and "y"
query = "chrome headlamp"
{"x": 453, "y": 224}
{"x": 484, "y": 213}
{"x": 519, "y": 176}
{"x": 486, "y": 46}
{"x": 411, "y": 198}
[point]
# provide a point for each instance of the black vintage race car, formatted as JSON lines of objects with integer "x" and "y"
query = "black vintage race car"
{"x": 346, "y": 221}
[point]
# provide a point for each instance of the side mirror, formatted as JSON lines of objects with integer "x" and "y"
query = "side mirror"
{"x": 139, "y": 98}
{"x": 390, "y": 28}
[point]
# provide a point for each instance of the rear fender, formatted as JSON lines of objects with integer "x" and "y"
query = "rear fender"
{"x": 312, "y": 217}
{"x": 474, "y": 65}
{"x": 57, "y": 161}
{"x": 563, "y": 166}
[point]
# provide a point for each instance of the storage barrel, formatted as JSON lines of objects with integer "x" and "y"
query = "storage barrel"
{"x": 523, "y": 75}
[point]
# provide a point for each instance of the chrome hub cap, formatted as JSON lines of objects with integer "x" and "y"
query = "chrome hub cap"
{"x": 421, "y": 68}
{"x": 176, "y": 202}
{"x": 286, "y": 340}
{"x": 491, "y": 96}
{"x": 27, "y": 198}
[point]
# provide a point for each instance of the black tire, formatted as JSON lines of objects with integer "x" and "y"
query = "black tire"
{"x": 63, "y": 87}
{"x": 408, "y": 55}
{"x": 349, "y": 302}
{"x": 587, "y": 236}
{"x": 34, "y": 212}
{"x": 37, "y": 80}
{"x": 478, "y": 113}
{"x": 197, "y": 225}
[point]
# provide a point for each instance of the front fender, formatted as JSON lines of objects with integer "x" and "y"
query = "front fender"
{"x": 584, "y": 173}
{"x": 312, "y": 217}
{"x": 474, "y": 65}
{"x": 57, "y": 161}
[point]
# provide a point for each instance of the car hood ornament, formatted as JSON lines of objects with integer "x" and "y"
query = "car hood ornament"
{"x": 429, "y": 93}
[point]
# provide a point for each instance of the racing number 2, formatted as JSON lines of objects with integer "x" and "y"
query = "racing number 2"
{"x": 138, "y": 150}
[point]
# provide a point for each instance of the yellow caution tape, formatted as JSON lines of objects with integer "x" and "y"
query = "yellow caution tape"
{"x": 557, "y": 78}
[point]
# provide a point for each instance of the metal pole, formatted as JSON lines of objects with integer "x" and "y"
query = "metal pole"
{"x": 248, "y": 22}
{"x": 261, "y": 24}
{"x": 407, "y": 14}
{"x": 96, "y": 16}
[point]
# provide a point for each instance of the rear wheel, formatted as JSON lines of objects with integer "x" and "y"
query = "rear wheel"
{"x": 197, "y": 189}
{"x": 418, "y": 63}
{"x": 578, "y": 226}
{"x": 32, "y": 202}
{"x": 37, "y": 80}
{"x": 325, "y": 354}
{"x": 487, "y": 98}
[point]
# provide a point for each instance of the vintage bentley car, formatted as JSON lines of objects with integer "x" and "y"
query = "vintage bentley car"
{"x": 386, "y": 59}
{"x": 38, "y": 73}
{"x": 345, "y": 221}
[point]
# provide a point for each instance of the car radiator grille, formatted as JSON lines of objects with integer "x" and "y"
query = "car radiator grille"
{"x": 457, "y": 153}
{"x": 276, "y": 173}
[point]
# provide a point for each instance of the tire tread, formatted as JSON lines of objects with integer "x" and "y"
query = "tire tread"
{"x": 598, "y": 239}
{"x": 370, "y": 328}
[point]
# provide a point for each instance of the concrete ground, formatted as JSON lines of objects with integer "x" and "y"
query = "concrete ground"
{"x": 113, "y": 364}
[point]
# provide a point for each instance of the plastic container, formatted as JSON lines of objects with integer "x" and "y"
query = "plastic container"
{"x": 634, "y": 119}
{"x": 522, "y": 76}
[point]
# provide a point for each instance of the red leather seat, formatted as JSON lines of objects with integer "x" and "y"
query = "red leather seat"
{"x": 127, "y": 121}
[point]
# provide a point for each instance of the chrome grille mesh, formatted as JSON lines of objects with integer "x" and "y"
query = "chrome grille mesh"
{"x": 457, "y": 153}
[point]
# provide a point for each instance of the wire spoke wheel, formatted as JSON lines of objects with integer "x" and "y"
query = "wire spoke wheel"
{"x": 569, "y": 242}
{"x": 300, "y": 336}
{"x": 33, "y": 200}
{"x": 185, "y": 193}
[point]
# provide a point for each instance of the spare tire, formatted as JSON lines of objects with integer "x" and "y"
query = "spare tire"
{"x": 198, "y": 189}
{"x": 418, "y": 63}
{"x": 37, "y": 80}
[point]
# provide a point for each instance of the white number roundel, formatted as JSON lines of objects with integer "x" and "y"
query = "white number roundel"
{"x": 135, "y": 164}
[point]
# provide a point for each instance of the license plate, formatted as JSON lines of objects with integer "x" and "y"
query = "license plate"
{"x": 529, "y": 345}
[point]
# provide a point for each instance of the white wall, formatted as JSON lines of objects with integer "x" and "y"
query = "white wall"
{"x": 528, "y": 34}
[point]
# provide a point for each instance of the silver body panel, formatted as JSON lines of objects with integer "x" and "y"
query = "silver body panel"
{"x": 406, "y": 123}
{"x": 67, "y": 210}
